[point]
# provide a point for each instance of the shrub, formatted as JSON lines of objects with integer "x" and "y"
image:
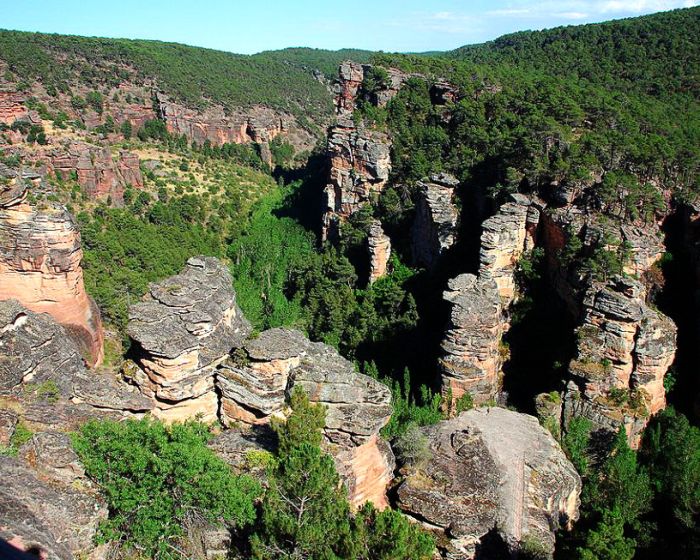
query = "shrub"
{"x": 159, "y": 480}
{"x": 412, "y": 447}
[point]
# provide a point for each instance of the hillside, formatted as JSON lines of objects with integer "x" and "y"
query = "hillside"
{"x": 351, "y": 305}
{"x": 656, "y": 54}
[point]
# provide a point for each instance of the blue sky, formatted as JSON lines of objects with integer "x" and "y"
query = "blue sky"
{"x": 250, "y": 26}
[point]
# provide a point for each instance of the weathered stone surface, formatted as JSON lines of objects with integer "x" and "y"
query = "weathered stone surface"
{"x": 40, "y": 255}
{"x": 233, "y": 445}
{"x": 12, "y": 107}
{"x": 471, "y": 361}
{"x": 505, "y": 237}
{"x": 491, "y": 469}
{"x": 379, "y": 248}
{"x": 348, "y": 87}
{"x": 184, "y": 328}
{"x": 58, "y": 517}
{"x": 97, "y": 172}
{"x": 359, "y": 164}
{"x": 8, "y": 421}
{"x": 624, "y": 350}
{"x": 253, "y": 382}
{"x": 52, "y": 455}
{"x": 435, "y": 227}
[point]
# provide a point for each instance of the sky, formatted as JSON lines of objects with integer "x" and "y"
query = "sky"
{"x": 249, "y": 26}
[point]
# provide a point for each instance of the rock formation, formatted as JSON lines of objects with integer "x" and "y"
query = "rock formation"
{"x": 505, "y": 237}
{"x": 471, "y": 360}
{"x": 379, "y": 248}
{"x": 491, "y": 470}
{"x": 624, "y": 350}
{"x": 12, "y": 108}
{"x": 184, "y": 328}
{"x": 471, "y": 348}
{"x": 254, "y": 382}
{"x": 96, "y": 171}
{"x": 359, "y": 165}
{"x": 40, "y": 255}
{"x": 435, "y": 226}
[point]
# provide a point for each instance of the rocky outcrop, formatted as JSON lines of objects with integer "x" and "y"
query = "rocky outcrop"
{"x": 351, "y": 77}
{"x": 254, "y": 382}
{"x": 40, "y": 255}
{"x": 183, "y": 329}
{"x": 359, "y": 166}
{"x": 36, "y": 354}
{"x": 491, "y": 470}
{"x": 505, "y": 237}
{"x": 471, "y": 358}
{"x": 55, "y": 511}
{"x": 95, "y": 170}
{"x": 624, "y": 350}
{"x": 379, "y": 249}
{"x": 12, "y": 108}
{"x": 435, "y": 226}
{"x": 472, "y": 354}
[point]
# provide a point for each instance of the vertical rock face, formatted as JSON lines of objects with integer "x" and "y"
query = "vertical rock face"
{"x": 624, "y": 350}
{"x": 12, "y": 107}
{"x": 379, "y": 248}
{"x": 504, "y": 239}
{"x": 359, "y": 165}
{"x": 435, "y": 226}
{"x": 96, "y": 171}
{"x": 185, "y": 328}
{"x": 471, "y": 360}
{"x": 254, "y": 383}
{"x": 40, "y": 256}
{"x": 491, "y": 470}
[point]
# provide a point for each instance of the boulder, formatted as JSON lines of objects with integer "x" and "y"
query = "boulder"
{"x": 491, "y": 470}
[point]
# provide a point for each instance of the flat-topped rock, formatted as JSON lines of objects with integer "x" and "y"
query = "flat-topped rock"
{"x": 491, "y": 469}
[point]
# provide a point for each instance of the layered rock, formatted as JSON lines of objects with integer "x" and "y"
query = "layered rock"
{"x": 379, "y": 249}
{"x": 435, "y": 227}
{"x": 184, "y": 328}
{"x": 96, "y": 171}
{"x": 40, "y": 255}
{"x": 624, "y": 350}
{"x": 359, "y": 165}
{"x": 505, "y": 237}
{"x": 55, "y": 512}
{"x": 491, "y": 470}
{"x": 12, "y": 108}
{"x": 348, "y": 87}
{"x": 255, "y": 381}
{"x": 36, "y": 352}
{"x": 472, "y": 355}
{"x": 471, "y": 358}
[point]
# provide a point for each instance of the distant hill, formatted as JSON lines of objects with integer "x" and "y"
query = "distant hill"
{"x": 654, "y": 53}
{"x": 279, "y": 79}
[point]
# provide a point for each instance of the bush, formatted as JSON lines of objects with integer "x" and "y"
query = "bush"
{"x": 413, "y": 447}
{"x": 160, "y": 480}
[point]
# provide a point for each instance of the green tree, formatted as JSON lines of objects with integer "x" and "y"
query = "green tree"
{"x": 159, "y": 479}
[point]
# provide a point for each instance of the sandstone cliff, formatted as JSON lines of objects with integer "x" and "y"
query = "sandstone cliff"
{"x": 379, "y": 249}
{"x": 359, "y": 164}
{"x": 624, "y": 350}
{"x": 40, "y": 255}
{"x": 491, "y": 470}
{"x": 435, "y": 226}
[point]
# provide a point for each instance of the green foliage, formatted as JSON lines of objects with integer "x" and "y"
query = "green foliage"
{"x": 305, "y": 512}
{"x": 576, "y": 442}
{"x": 671, "y": 451}
{"x": 281, "y": 79}
{"x": 607, "y": 541}
{"x": 126, "y": 129}
{"x": 20, "y": 436}
{"x": 282, "y": 152}
{"x": 413, "y": 447}
{"x": 159, "y": 479}
{"x": 409, "y": 410}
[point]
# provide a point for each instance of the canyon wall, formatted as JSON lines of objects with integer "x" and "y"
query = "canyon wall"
{"x": 40, "y": 255}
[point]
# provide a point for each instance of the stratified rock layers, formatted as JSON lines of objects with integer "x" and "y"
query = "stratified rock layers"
{"x": 185, "y": 328}
{"x": 491, "y": 470}
{"x": 624, "y": 351}
{"x": 40, "y": 255}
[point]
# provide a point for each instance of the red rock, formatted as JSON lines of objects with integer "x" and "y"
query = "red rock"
{"x": 40, "y": 255}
